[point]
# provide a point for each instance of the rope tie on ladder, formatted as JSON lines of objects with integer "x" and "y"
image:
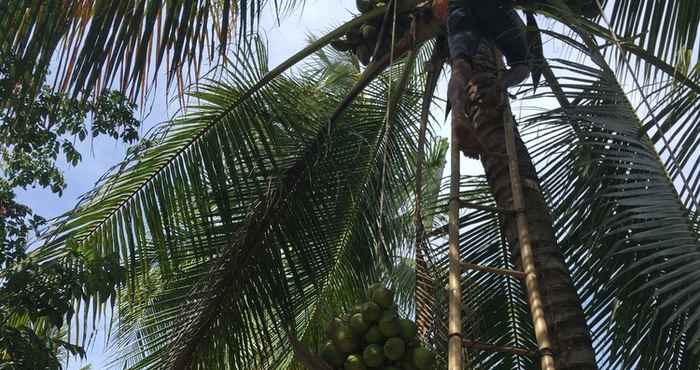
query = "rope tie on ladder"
{"x": 546, "y": 352}
{"x": 452, "y": 335}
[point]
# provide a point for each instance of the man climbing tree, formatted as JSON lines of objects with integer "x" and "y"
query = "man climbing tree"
{"x": 468, "y": 23}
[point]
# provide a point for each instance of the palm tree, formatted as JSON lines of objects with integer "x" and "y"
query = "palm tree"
{"x": 266, "y": 205}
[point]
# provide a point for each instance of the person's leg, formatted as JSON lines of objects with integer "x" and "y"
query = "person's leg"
{"x": 457, "y": 87}
{"x": 463, "y": 41}
{"x": 508, "y": 32}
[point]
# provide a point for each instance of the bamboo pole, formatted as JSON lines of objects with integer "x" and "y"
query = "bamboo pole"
{"x": 423, "y": 279}
{"x": 500, "y": 349}
{"x": 493, "y": 270}
{"x": 528, "y": 260}
{"x": 454, "y": 354}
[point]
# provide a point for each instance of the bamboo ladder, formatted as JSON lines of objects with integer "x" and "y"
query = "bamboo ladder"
{"x": 456, "y": 342}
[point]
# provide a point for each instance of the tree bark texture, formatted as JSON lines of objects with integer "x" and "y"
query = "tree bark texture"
{"x": 573, "y": 348}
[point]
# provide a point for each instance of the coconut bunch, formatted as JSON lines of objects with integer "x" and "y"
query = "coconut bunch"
{"x": 362, "y": 41}
{"x": 373, "y": 336}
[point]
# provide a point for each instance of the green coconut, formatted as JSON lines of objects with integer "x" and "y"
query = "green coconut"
{"x": 423, "y": 358}
{"x": 408, "y": 329}
{"x": 331, "y": 354}
{"x": 354, "y": 362}
{"x": 372, "y": 312}
{"x": 368, "y": 31}
{"x": 389, "y": 325}
{"x": 332, "y": 326}
{"x": 373, "y": 355}
{"x": 356, "y": 309}
{"x": 412, "y": 343}
{"x": 383, "y": 297}
{"x": 407, "y": 363}
{"x": 586, "y": 8}
{"x": 358, "y": 324}
{"x": 374, "y": 336}
{"x": 394, "y": 348}
{"x": 372, "y": 288}
{"x": 345, "y": 340}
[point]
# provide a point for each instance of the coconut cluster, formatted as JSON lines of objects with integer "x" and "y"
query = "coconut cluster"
{"x": 362, "y": 41}
{"x": 373, "y": 336}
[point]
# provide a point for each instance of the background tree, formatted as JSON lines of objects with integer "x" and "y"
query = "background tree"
{"x": 36, "y": 299}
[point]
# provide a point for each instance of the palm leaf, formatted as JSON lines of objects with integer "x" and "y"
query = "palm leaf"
{"x": 248, "y": 220}
{"x": 665, "y": 28}
{"x": 622, "y": 223}
{"x": 98, "y": 43}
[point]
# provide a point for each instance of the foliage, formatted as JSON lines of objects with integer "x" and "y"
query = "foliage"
{"x": 35, "y": 129}
{"x": 36, "y": 300}
{"x": 287, "y": 215}
{"x": 98, "y": 43}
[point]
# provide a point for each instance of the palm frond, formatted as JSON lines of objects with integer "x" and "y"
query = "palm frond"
{"x": 665, "y": 28}
{"x": 623, "y": 224}
{"x": 99, "y": 43}
{"x": 253, "y": 216}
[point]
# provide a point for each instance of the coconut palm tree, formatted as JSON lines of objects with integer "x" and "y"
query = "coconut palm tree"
{"x": 268, "y": 206}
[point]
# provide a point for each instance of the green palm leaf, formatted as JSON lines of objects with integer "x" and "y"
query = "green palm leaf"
{"x": 249, "y": 220}
{"x": 667, "y": 29}
{"x": 97, "y": 43}
{"x": 623, "y": 224}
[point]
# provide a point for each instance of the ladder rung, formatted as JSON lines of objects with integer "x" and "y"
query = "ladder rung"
{"x": 442, "y": 230}
{"x": 481, "y": 207}
{"x": 504, "y": 272}
{"x": 500, "y": 349}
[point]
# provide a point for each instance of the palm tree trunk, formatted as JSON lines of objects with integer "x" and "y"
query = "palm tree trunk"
{"x": 573, "y": 347}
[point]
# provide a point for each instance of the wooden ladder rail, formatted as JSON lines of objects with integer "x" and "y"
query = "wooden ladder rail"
{"x": 456, "y": 342}
{"x": 527, "y": 257}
